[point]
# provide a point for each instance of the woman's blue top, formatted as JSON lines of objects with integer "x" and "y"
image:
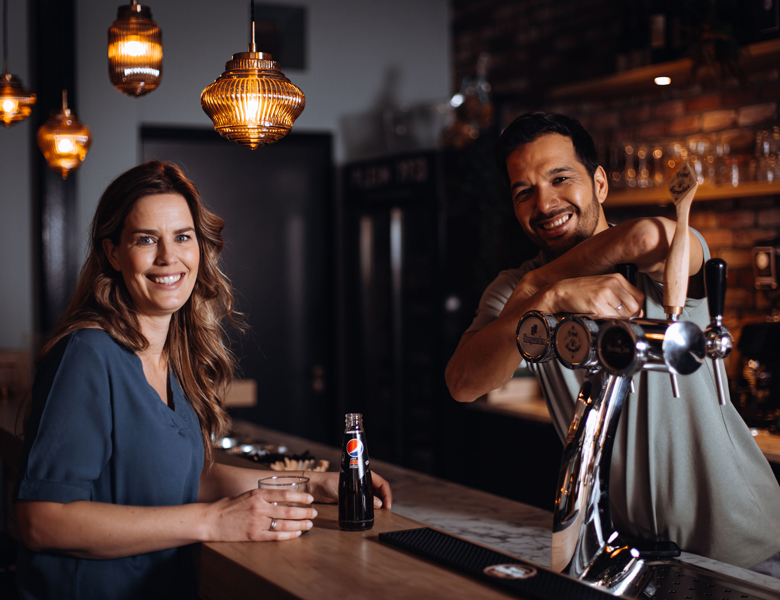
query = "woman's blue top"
{"x": 99, "y": 432}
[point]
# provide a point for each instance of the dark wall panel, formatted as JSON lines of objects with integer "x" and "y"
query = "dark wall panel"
{"x": 277, "y": 204}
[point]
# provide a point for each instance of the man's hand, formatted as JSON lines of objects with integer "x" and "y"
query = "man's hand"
{"x": 599, "y": 295}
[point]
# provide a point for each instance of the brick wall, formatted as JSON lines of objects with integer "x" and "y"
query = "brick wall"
{"x": 536, "y": 45}
{"x": 730, "y": 227}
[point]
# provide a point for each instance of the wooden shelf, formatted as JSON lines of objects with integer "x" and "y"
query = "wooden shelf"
{"x": 660, "y": 196}
{"x": 755, "y": 57}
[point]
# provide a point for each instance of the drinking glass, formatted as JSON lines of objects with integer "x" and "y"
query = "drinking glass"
{"x": 767, "y": 148}
{"x": 658, "y": 166}
{"x": 629, "y": 172}
{"x": 615, "y": 170}
{"x": 643, "y": 179}
{"x": 287, "y": 483}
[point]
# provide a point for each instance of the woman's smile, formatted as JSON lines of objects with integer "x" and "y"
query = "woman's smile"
{"x": 166, "y": 280}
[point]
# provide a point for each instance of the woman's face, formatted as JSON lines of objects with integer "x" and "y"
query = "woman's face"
{"x": 158, "y": 254}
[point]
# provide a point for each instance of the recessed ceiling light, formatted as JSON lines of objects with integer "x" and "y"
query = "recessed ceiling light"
{"x": 663, "y": 80}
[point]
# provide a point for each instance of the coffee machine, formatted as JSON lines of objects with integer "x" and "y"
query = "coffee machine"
{"x": 756, "y": 392}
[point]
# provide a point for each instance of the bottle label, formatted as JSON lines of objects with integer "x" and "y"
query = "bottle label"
{"x": 354, "y": 448}
{"x": 355, "y": 456}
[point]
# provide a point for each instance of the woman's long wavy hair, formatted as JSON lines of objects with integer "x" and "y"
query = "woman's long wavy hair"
{"x": 197, "y": 347}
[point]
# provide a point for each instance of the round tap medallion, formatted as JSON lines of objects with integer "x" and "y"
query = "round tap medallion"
{"x": 532, "y": 337}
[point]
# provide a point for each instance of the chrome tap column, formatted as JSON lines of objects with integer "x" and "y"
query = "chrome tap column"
{"x": 585, "y": 543}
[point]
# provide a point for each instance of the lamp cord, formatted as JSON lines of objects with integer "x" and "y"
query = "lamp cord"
{"x": 252, "y": 21}
{"x": 5, "y": 36}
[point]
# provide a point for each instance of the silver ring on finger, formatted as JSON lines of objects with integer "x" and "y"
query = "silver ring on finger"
{"x": 619, "y": 307}
{"x": 273, "y": 524}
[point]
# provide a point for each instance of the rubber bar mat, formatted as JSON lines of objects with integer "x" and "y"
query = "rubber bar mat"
{"x": 524, "y": 579}
{"x": 671, "y": 580}
{"x": 676, "y": 580}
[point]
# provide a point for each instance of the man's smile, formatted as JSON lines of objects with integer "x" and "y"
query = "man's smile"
{"x": 556, "y": 223}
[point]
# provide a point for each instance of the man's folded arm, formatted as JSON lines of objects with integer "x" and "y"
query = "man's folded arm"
{"x": 644, "y": 242}
{"x": 575, "y": 282}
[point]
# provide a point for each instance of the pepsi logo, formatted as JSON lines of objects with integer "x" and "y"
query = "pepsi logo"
{"x": 354, "y": 447}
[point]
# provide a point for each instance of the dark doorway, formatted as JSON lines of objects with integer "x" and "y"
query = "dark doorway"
{"x": 277, "y": 202}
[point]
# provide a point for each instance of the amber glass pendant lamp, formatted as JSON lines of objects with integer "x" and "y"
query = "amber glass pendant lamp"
{"x": 252, "y": 103}
{"x": 135, "y": 51}
{"x": 63, "y": 140}
{"x": 15, "y": 101}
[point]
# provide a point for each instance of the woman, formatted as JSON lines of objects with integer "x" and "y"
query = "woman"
{"x": 117, "y": 464}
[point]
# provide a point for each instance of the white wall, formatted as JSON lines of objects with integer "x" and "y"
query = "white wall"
{"x": 16, "y": 246}
{"x": 352, "y": 48}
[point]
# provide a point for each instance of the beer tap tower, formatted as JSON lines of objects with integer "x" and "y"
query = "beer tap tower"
{"x": 585, "y": 543}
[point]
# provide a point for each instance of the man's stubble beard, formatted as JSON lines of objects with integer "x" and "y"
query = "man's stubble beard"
{"x": 588, "y": 222}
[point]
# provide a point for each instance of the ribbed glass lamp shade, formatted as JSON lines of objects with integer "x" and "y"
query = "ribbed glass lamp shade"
{"x": 135, "y": 51}
{"x": 63, "y": 140}
{"x": 252, "y": 103}
{"x": 15, "y": 102}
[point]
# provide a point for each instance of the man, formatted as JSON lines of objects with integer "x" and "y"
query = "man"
{"x": 684, "y": 470}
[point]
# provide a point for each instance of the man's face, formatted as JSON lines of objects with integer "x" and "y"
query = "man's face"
{"x": 557, "y": 203}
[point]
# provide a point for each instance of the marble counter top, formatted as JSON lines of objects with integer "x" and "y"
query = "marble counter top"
{"x": 506, "y": 525}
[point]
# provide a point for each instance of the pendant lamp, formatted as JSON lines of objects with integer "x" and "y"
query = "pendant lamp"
{"x": 15, "y": 102}
{"x": 252, "y": 103}
{"x": 135, "y": 51}
{"x": 63, "y": 140}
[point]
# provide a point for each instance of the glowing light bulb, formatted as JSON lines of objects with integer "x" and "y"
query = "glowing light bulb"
{"x": 10, "y": 105}
{"x": 662, "y": 80}
{"x": 252, "y": 109}
{"x": 65, "y": 146}
{"x": 133, "y": 48}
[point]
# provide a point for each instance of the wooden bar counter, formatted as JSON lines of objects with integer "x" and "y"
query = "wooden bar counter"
{"x": 329, "y": 563}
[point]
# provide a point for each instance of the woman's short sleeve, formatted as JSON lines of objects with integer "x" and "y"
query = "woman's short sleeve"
{"x": 68, "y": 436}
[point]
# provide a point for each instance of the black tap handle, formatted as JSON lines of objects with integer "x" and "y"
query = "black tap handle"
{"x": 627, "y": 270}
{"x": 715, "y": 286}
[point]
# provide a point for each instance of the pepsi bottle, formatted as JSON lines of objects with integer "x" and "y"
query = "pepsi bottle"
{"x": 356, "y": 494}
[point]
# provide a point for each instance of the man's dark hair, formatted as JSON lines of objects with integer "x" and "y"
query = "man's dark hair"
{"x": 531, "y": 126}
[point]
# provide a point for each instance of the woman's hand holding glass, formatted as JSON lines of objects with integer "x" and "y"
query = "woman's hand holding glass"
{"x": 260, "y": 515}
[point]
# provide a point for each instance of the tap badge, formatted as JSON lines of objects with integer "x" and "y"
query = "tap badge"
{"x": 573, "y": 342}
{"x": 354, "y": 447}
{"x": 681, "y": 182}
